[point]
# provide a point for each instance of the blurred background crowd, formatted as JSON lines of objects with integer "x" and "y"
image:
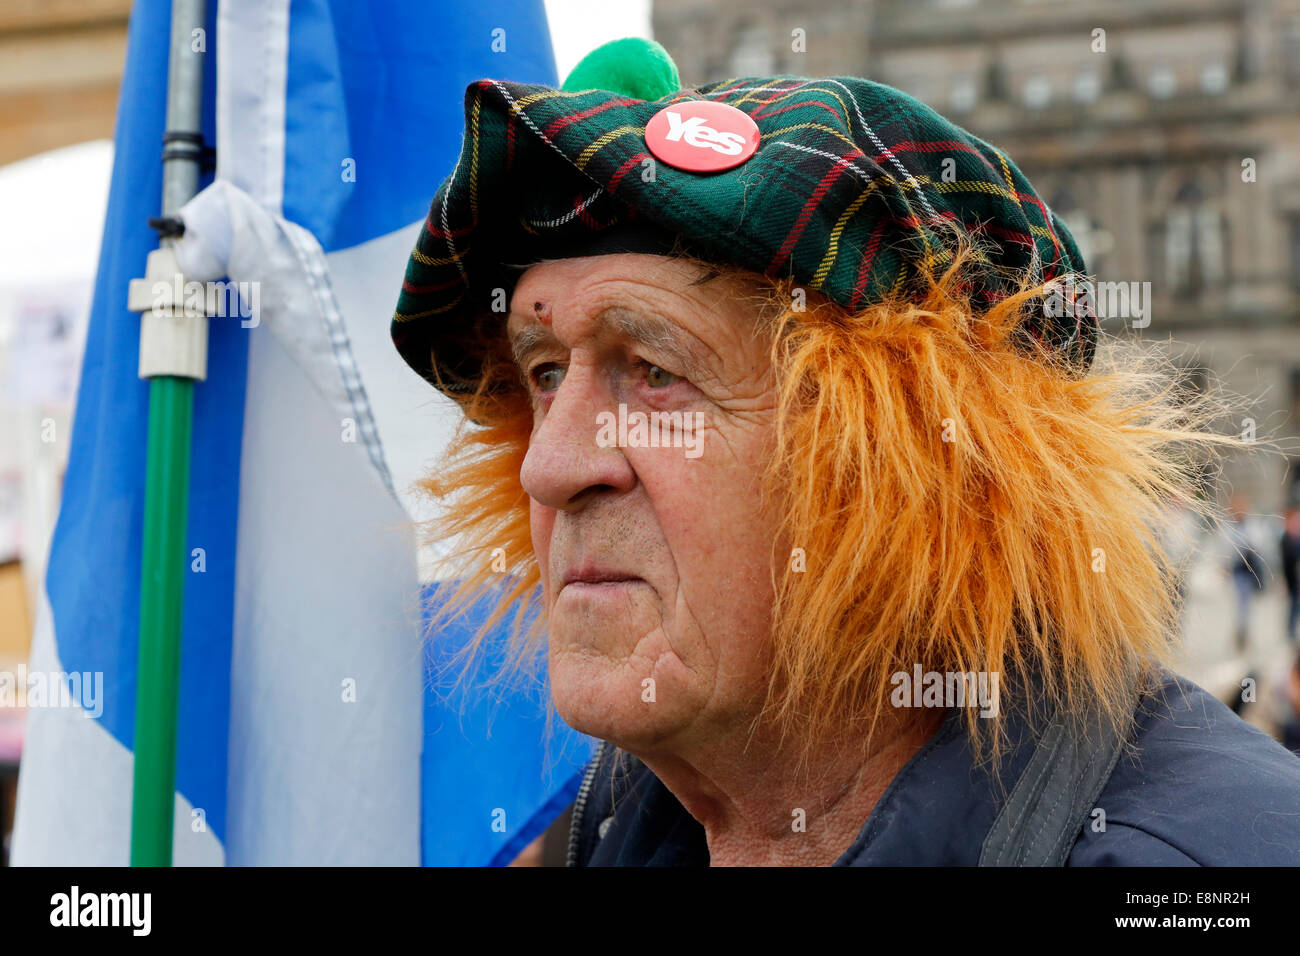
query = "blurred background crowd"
{"x": 1166, "y": 133}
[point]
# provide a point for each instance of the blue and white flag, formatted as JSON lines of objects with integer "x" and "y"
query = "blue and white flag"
{"x": 309, "y": 731}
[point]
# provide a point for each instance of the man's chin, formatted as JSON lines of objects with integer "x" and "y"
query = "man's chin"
{"x": 601, "y": 619}
{"x": 603, "y": 699}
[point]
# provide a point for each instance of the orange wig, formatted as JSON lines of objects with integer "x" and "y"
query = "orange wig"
{"x": 958, "y": 502}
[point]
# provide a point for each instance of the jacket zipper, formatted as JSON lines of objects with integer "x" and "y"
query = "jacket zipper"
{"x": 580, "y": 805}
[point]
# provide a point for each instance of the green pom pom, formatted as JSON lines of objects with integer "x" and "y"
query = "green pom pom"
{"x": 641, "y": 69}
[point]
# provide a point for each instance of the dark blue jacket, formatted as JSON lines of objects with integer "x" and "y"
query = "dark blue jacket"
{"x": 1201, "y": 787}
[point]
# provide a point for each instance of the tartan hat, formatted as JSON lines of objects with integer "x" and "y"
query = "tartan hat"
{"x": 853, "y": 187}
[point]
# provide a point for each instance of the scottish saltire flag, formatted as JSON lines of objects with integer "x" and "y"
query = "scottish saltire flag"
{"x": 310, "y": 731}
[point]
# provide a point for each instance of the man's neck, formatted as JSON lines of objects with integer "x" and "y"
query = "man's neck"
{"x": 756, "y": 809}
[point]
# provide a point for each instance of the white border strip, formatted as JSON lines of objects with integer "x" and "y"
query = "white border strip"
{"x": 252, "y": 79}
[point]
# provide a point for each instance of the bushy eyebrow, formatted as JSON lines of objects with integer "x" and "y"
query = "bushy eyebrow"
{"x": 646, "y": 329}
{"x": 529, "y": 339}
{"x": 658, "y": 334}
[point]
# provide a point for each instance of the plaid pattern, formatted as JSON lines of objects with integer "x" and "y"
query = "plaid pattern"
{"x": 844, "y": 193}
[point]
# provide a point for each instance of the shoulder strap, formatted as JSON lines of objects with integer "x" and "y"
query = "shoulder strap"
{"x": 1055, "y": 795}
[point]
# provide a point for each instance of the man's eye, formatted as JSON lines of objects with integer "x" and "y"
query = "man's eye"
{"x": 549, "y": 377}
{"x": 657, "y": 377}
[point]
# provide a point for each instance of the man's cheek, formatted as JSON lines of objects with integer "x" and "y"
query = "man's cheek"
{"x": 693, "y": 500}
{"x": 541, "y": 522}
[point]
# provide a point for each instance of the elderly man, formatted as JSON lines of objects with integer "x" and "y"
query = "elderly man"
{"x": 780, "y": 400}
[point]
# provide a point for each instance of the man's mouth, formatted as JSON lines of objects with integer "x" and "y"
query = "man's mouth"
{"x": 593, "y": 577}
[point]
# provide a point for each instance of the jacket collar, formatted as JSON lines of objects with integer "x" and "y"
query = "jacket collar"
{"x": 935, "y": 812}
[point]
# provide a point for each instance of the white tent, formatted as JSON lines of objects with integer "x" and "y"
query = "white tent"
{"x": 52, "y": 209}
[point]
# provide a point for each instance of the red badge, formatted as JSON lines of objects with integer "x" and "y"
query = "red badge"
{"x": 701, "y": 136}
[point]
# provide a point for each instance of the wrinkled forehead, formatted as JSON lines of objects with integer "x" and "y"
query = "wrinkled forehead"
{"x": 684, "y": 308}
{"x": 578, "y": 274}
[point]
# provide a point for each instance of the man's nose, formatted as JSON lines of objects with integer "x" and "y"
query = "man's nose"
{"x": 565, "y": 467}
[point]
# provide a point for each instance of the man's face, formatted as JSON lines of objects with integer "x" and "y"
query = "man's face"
{"x": 655, "y": 561}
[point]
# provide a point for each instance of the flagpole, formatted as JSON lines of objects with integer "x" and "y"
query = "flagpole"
{"x": 173, "y": 355}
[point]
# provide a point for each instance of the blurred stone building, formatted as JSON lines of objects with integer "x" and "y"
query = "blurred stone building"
{"x": 60, "y": 67}
{"x": 1165, "y": 132}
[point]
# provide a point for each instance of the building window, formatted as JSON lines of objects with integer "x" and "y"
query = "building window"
{"x": 1161, "y": 82}
{"x": 1087, "y": 86}
{"x": 1290, "y": 50}
{"x": 995, "y": 80}
{"x": 1193, "y": 242}
{"x": 1294, "y": 379}
{"x": 1214, "y": 77}
{"x": 1093, "y": 241}
{"x": 1293, "y": 235}
{"x": 752, "y": 54}
{"x": 963, "y": 97}
{"x": 1155, "y": 250}
{"x": 1293, "y": 466}
{"x": 1037, "y": 92}
{"x": 1200, "y": 466}
{"x": 1122, "y": 77}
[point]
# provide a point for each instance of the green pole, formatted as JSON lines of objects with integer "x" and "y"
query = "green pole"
{"x": 172, "y": 356}
{"x": 162, "y": 586}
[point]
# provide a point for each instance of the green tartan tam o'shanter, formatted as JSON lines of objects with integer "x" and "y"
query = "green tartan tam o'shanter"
{"x": 853, "y": 186}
